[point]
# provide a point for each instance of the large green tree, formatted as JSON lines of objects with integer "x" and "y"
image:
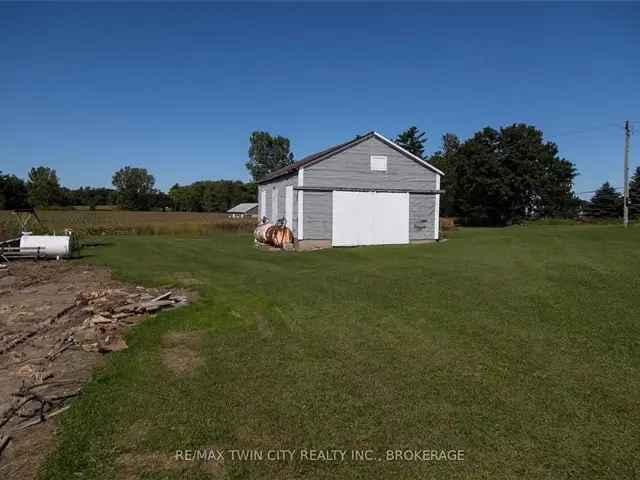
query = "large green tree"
{"x": 605, "y": 203}
{"x": 506, "y": 175}
{"x": 412, "y": 140}
{"x": 43, "y": 187}
{"x": 267, "y": 153}
{"x": 444, "y": 160}
{"x": 135, "y": 187}
{"x": 13, "y": 192}
{"x": 634, "y": 194}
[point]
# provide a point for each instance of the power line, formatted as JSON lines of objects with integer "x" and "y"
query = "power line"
{"x": 587, "y": 130}
{"x": 594, "y": 191}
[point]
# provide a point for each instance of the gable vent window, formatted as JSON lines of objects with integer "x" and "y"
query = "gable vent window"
{"x": 378, "y": 163}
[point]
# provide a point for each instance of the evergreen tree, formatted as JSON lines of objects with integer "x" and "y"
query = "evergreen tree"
{"x": 412, "y": 140}
{"x": 605, "y": 203}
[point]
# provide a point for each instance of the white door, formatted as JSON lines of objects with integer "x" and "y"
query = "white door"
{"x": 370, "y": 218}
{"x": 288, "y": 206}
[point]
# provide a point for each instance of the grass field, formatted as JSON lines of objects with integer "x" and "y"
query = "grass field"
{"x": 117, "y": 222}
{"x": 519, "y": 346}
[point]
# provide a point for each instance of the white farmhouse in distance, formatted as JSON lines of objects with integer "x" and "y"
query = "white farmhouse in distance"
{"x": 243, "y": 210}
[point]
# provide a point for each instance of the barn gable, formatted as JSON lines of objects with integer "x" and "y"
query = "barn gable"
{"x": 352, "y": 168}
{"x": 370, "y": 138}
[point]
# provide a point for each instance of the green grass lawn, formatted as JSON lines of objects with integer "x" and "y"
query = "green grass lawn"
{"x": 520, "y": 346}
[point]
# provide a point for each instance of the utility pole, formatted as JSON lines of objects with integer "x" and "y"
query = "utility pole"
{"x": 627, "y": 136}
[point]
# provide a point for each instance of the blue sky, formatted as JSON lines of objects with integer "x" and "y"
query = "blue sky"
{"x": 178, "y": 88}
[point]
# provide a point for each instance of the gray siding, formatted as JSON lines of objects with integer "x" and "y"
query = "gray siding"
{"x": 281, "y": 185}
{"x": 317, "y": 215}
{"x": 352, "y": 169}
{"x": 421, "y": 217}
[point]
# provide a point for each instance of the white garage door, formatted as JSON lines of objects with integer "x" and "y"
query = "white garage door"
{"x": 370, "y": 218}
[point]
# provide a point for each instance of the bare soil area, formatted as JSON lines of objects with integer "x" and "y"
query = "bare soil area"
{"x": 57, "y": 320}
{"x": 180, "y": 352}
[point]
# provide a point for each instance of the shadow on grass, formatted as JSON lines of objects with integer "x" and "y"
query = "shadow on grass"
{"x": 96, "y": 243}
{"x": 87, "y": 248}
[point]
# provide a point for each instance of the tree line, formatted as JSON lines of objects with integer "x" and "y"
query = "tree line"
{"x": 212, "y": 196}
{"x": 498, "y": 177}
{"x": 134, "y": 189}
{"x": 608, "y": 202}
{"x": 503, "y": 176}
{"x": 495, "y": 177}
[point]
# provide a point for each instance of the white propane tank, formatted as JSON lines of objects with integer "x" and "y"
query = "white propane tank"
{"x": 51, "y": 246}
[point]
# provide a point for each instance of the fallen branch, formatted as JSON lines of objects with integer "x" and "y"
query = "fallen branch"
{"x": 38, "y": 329}
{"x": 4, "y": 441}
{"x": 57, "y": 353}
{"x": 11, "y": 411}
{"x": 64, "y": 396}
{"x": 41, "y": 419}
{"x": 155, "y": 305}
{"x": 161, "y": 297}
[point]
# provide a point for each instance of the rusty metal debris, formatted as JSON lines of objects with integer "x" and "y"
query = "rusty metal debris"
{"x": 276, "y": 235}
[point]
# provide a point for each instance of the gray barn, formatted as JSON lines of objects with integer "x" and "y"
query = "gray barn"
{"x": 367, "y": 191}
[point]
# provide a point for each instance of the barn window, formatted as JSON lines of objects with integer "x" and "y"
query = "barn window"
{"x": 378, "y": 163}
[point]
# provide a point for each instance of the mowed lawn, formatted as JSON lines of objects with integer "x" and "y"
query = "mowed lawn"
{"x": 519, "y": 346}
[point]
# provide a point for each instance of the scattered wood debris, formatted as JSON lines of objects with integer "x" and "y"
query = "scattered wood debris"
{"x": 57, "y": 319}
{"x": 4, "y": 440}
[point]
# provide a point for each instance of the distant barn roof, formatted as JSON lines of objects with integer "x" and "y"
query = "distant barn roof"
{"x": 243, "y": 208}
{"x": 317, "y": 157}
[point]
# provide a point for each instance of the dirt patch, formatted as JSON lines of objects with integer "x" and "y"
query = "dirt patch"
{"x": 57, "y": 319}
{"x": 135, "y": 436}
{"x": 181, "y": 352}
{"x": 135, "y": 466}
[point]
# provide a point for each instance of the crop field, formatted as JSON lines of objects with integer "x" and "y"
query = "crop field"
{"x": 86, "y": 223}
{"x": 517, "y": 346}
{"x": 117, "y": 222}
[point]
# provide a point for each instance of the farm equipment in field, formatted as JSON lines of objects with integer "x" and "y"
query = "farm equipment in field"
{"x": 28, "y": 245}
{"x": 26, "y": 216}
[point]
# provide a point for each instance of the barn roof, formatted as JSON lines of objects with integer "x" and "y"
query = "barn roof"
{"x": 329, "y": 152}
{"x": 242, "y": 208}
